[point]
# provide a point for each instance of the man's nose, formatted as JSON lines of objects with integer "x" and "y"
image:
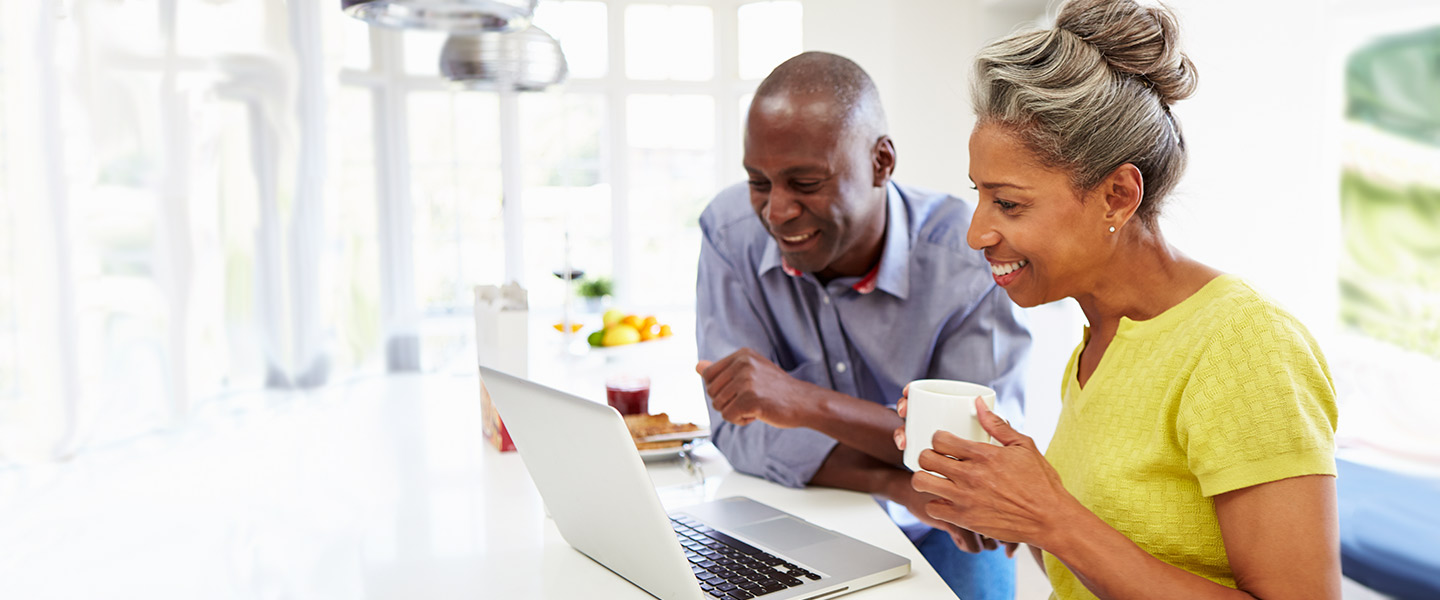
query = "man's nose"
{"x": 781, "y": 208}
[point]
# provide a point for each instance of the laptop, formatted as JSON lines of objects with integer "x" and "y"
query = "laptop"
{"x": 594, "y": 483}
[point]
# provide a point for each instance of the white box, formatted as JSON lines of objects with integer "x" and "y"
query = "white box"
{"x": 502, "y": 328}
{"x": 501, "y": 343}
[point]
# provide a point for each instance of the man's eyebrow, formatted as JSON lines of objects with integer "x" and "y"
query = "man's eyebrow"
{"x": 804, "y": 170}
{"x": 791, "y": 171}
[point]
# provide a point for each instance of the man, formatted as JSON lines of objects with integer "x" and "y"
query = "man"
{"x": 813, "y": 317}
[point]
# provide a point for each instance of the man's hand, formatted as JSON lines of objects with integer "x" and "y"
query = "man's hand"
{"x": 745, "y": 387}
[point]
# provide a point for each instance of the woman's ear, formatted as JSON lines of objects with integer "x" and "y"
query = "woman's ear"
{"x": 1122, "y": 191}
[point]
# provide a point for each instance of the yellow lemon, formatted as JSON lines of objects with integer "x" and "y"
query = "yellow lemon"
{"x": 665, "y": 331}
{"x": 619, "y": 335}
{"x": 612, "y": 316}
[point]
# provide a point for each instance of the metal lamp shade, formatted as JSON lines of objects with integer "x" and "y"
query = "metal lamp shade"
{"x": 525, "y": 60}
{"x": 457, "y": 16}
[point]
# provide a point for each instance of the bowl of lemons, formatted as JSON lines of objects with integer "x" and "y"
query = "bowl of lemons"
{"x": 622, "y": 329}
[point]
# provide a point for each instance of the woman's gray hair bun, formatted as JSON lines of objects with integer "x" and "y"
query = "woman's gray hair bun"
{"x": 1135, "y": 40}
{"x": 1094, "y": 93}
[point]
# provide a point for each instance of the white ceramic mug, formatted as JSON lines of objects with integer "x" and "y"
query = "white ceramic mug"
{"x": 942, "y": 405}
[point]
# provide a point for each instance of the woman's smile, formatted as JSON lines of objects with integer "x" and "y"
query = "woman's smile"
{"x": 1007, "y": 272}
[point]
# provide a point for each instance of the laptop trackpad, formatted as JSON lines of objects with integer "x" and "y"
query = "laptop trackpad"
{"x": 785, "y": 533}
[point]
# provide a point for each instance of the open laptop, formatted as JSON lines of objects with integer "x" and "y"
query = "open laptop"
{"x": 594, "y": 484}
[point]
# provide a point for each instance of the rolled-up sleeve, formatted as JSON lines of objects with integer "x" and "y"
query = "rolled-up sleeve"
{"x": 727, "y": 318}
{"x": 989, "y": 345}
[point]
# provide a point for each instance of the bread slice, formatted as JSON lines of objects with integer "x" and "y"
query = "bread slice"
{"x": 643, "y": 426}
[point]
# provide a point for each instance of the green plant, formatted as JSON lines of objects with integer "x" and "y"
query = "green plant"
{"x": 598, "y": 287}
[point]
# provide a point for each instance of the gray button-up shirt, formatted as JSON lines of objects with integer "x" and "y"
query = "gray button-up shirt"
{"x": 934, "y": 312}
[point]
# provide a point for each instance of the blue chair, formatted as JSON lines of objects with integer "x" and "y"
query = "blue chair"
{"x": 1390, "y": 530}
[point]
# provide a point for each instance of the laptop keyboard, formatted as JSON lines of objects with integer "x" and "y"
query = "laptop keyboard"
{"x": 731, "y": 569}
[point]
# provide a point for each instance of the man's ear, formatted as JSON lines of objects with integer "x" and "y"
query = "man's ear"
{"x": 1122, "y": 191}
{"x": 882, "y": 160}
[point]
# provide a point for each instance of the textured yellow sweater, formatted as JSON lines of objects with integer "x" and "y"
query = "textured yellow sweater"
{"x": 1223, "y": 391}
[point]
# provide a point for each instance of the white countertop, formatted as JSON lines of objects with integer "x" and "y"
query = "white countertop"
{"x": 382, "y": 488}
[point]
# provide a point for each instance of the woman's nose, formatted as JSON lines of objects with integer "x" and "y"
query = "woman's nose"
{"x": 981, "y": 235}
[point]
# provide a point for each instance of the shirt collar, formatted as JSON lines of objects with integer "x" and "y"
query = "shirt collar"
{"x": 891, "y": 274}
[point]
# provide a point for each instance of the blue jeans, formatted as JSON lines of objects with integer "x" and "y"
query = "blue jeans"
{"x": 989, "y": 575}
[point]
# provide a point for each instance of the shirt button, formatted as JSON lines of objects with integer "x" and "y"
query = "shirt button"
{"x": 825, "y": 299}
{"x": 840, "y": 367}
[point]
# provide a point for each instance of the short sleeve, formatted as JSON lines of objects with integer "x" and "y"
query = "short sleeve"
{"x": 1259, "y": 405}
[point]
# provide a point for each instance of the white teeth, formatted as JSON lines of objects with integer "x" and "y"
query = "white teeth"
{"x": 1007, "y": 268}
{"x": 797, "y": 238}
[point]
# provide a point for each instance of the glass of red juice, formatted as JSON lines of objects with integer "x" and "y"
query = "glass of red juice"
{"x": 629, "y": 394}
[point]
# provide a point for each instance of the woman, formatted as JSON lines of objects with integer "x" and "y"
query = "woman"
{"x": 1194, "y": 453}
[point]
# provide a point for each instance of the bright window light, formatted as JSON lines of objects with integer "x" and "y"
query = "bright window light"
{"x": 669, "y": 42}
{"x": 580, "y": 28}
{"x": 675, "y": 122}
{"x": 672, "y": 176}
{"x": 565, "y": 191}
{"x": 769, "y": 34}
{"x": 422, "y": 51}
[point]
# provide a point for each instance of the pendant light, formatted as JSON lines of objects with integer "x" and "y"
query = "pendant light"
{"x": 527, "y": 60}
{"x": 456, "y": 16}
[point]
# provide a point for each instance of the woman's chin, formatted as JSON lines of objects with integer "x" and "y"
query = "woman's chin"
{"x": 1026, "y": 299}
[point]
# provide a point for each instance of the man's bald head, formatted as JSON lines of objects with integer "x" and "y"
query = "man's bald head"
{"x": 819, "y": 163}
{"x": 829, "y": 82}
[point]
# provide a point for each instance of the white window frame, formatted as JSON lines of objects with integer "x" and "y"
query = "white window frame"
{"x": 390, "y": 86}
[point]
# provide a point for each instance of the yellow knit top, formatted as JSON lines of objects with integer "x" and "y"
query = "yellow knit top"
{"x": 1223, "y": 391}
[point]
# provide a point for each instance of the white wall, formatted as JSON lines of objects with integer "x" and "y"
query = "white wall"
{"x": 919, "y": 53}
{"x": 1259, "y": 199}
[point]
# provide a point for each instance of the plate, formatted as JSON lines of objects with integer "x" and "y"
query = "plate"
{"x": 659, "y": 454}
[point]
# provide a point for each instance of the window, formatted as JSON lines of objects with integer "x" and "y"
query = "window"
{"x": 458, "y": 232}
{"x": 422, "y": 52}
{"x": 1386, "y": 359}
{"x": 669, "y": 42}
{"x": 9, "y": 342}
{"x": 352, "y": 294}
{"x": 1390, "y": 193}
{"x": 176, "y": 258}
{"x": 769, "y": 34}
{"x": 580, "y": 28}
{"x": 567, "y": 195}
{"x": 673, "y": 175}
{"x": 229, "y": 231}
{"x": 670, "y": 84}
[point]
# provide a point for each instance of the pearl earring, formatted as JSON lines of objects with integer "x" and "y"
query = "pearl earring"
{"x": 1112, "y": 229}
